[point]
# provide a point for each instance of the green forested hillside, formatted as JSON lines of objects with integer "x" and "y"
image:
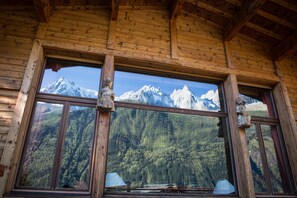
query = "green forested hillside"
{"x": 148, "y": 148}
{"x": 42, "y": 141}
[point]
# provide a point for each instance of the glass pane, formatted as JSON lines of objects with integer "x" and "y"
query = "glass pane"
{"x": 37, "y": 166}
{"x": 153, "y": 151}
{"x": 77, "y": 150}
{"x": 258, "y": 101}
{"x": 271, "y": 157}
{"x": 70, "y": 79}
{"x": 255, "y": 160}
{"x": 167, "y": 92}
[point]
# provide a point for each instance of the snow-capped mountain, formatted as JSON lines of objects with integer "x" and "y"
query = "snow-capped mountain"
{"x": 147, "y": 95}
{"x": 181, "y": 98}
{"x": 64, "y": 87}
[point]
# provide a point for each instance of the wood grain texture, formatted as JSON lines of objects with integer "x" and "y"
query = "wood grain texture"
{"x": 239, "y": 144}
{"x": 102, "y": 134}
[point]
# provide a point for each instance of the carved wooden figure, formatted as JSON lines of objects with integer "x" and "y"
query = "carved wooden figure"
{"x": 244, "y": 120}
{"x": 105, "y": 101}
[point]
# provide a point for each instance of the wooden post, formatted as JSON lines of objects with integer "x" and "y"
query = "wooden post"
{"x": 102, "y": 136}
{"x": 11, "y": 149}
{"x": 239, "y": 144}
{"x": 287, "y": 121}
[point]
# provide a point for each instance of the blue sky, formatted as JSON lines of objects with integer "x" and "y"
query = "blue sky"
{"x": 125, "y": 81}
{"x": 88, "y": 77}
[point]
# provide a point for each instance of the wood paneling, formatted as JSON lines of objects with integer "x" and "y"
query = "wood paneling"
{"x": 17, "y": 30}
{"x": 140, "y": 38}
{"x": 84, "y": 27}
{"x": 288, "y": 69}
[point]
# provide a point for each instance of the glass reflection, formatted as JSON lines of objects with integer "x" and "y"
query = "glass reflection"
{"x": 166, "y": 92}
{"x": 75, "y": 169}
{"x": 166, "y": 152}
{"x": 36, "y": 170}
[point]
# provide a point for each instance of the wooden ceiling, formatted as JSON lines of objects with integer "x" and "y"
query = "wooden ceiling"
{"x": 273, "y": 22}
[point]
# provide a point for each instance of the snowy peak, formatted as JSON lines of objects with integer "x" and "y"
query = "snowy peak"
{"x": 213, "y": 96}
{"x": 147, "y": 95}
{"x": 180, "y": 98}
{"x": 67, "y": 88}
{"x": 183, "y": 98}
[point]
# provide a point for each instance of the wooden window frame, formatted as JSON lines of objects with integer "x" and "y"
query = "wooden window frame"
{"x": 66, "y": 101}
{"x": 223, "y": 114}
{"x": 272, "y": 120}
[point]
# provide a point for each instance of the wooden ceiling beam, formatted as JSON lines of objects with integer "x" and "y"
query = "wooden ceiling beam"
{"x": 285, "y": 5}
{"x": 210, "y": 8}
{"x": 264, "y": 31}
{"x": 246, "y": 12}
{"x": 43, "y": 9}
{"x": 276, "y": 19}
{"x": 175, "y": 8}
{"x": 285, "y": 48}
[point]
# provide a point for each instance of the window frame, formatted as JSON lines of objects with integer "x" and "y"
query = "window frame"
{"x": 221, "y": 114}
{"x": 67, "y": 102}
{"x": 259, "y": 121}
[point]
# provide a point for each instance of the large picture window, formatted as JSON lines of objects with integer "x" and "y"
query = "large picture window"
{"x": 270, "y": 170}
{"x": 59, "y": 144}
{"x": 168, "y": 136}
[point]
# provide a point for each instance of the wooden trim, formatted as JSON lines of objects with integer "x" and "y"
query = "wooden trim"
{"x": 238, "y": 141}
{"x": 173, "y": 38}
{"x": 113, "y": 24}
{"x": 246, "y": 12}
{"x": 43, "y": 10}
{"x": 228, "y": 54}
{"x": 285, "y": 48}
{"x": 288, "y": 124}
{"x": 16, "y": 135}
{"x": 170, "y": 109}
{"x": 175, "y": 8}
{"x": 101, "y": 136}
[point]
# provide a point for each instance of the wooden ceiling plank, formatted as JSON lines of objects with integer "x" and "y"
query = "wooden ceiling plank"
{"x": 246, "y": 12}
{"x": 285, "y": 48}
{"x": 210, "y": 8}
{"x": 276, "y": 19}
{"x": 175, "y": 8}
{"x": 43, "y": 9}
{"x": 285, "y": 5}
{"x": 264, "y": 31}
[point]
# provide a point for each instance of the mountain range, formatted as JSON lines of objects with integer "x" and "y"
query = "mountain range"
{"x": 179, "y": 98}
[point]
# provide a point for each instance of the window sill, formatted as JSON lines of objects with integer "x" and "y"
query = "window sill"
{"x": 164, "y": 195}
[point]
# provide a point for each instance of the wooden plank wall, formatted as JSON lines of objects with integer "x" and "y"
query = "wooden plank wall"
{"x": 84, "y": 27}
{"x": 248, "y": 55}
{"x": 17, "y": 32}
{"x": 143, "y": 33}
{"x": 200, "y": 42}
{"x": 140, "y": 35}
{"x": 288, "y": 69}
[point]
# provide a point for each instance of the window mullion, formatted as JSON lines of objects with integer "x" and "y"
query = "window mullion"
{"x": 59, "y": 146}
{"x": 263, "y": 157}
